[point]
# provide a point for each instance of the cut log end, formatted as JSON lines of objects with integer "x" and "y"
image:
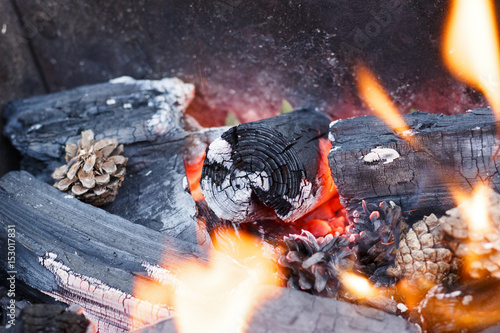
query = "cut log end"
{"x": 267, "y": 168}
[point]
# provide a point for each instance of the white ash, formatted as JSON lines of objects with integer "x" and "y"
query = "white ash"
{"x": 219, "y": 151}
{"x": 386, "y": 155}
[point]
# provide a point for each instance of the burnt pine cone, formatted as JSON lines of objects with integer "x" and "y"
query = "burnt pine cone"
{"x": 480, "y": 249}
{"x": 315, "y": 264}
{"x": 422, "y": 254}
{"x": 374, "y": 234}
{"x": 94, "y": 170}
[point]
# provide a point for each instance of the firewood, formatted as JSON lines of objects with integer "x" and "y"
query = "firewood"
{"x": 271, "y": 167}
{"x": 145, "y": 116}
{"x": 81, "y": 254}
{"x": 416, "y": 169}
{"x": 296, "y": 311}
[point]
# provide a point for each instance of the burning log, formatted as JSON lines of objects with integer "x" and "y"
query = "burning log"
{"x": 295, "y": 311}
{"x": 145, "y": 116}
{"x": 272, "y": 167}
{"x": 416, "y": 169}
{"x": 81, "y": 254}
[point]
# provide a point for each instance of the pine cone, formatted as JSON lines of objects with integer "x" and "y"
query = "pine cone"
{"x": 315, "y": 264}
{"x": 480, "y": 250}
{"x": 94, "y": 170}
{"x": 374, "y": 234}
{"x": 422, "y": 253}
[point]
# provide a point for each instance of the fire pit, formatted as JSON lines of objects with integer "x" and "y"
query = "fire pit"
{"x": 136, "y": 209}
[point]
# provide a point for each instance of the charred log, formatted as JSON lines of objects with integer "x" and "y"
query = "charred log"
{"x": 417, "y": 169}
{"x": 146, "y": 116}
{"x": 81, "y": 254}
{"x": 50, "y": 318}
{"x": 296, "y": 311}
{"x": 271, "y": 167}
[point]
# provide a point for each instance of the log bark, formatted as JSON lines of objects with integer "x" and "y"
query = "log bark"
{"x": 145, "y": 116}
{"x": 81, "y": 254}
{"x": 299, "y": 312}
{"x": 271, "y": 167}
{"x": 440, "y": 153}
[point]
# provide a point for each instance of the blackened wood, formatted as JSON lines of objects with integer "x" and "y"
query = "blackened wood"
{"x": 81, "y": 254}
{"x": 50, "y": 318}
{"x": 299, "y": 312}
{"x": 145, "y": 116}
{"x": 267, "y": 167}
{"x": 370, "y": 162}
{"x": 135, "y": 112}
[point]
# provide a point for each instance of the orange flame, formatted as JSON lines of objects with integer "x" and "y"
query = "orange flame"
{"x": 377, "y": 99}
{"x": 193, "y": 175}
{"x": 220, "y": 296}
{"x": 475, "y": 208}
{"x": 471, "y": 48}
{"x": 358, "y": 286}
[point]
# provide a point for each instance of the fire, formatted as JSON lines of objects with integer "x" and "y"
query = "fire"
{"x": 470, "y": 47}
{"x": 377, "y": 99}
{"x": 193, "y": 175}
{"x": 475, "y": 209}
{"x": 358, "y": 286}
{"x": 220, "y": 296}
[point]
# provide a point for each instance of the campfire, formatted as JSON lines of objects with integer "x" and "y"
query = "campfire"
{"x": 129, "y": 215}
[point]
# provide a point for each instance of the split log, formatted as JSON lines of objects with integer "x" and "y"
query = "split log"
{"x": 299, "y": 312}
{"x": 145, "y": 116}
{"x": 418, "y": 169}
{"x": 81, "y": 254}
{"x": 271, "y": 167}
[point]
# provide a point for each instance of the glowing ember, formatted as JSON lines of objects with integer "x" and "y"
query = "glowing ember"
{"x": 193, "y": 174}
{"x": 218, "y": 297}
{"x": 376, "y": 98}
{"x": 470, "y": 47}
{"x": 358, "y": 285}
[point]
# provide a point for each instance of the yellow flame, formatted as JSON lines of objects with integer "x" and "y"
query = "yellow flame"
{"x": 471, "y": 48}
{"x": 475, "y": 208}
{"x": 358, "y": 285}
{"x": 220, "y": 296}
{"x": 377, "y": 99}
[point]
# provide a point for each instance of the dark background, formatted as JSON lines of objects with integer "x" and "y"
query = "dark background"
{"x": 244, "y": 56}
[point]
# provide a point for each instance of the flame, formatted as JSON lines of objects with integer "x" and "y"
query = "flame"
{"x": 475, "y": 208}
{"x": 377, "y": 99}
{"x": 470, "y": 47}
{"x": 358, "y": 286}
{"x": 220, "y": 296}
